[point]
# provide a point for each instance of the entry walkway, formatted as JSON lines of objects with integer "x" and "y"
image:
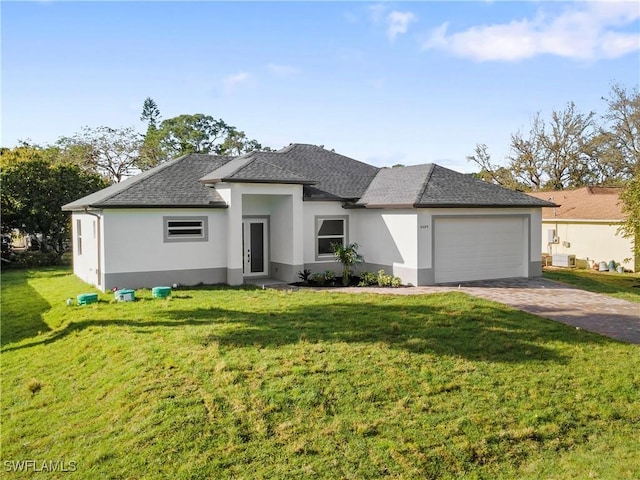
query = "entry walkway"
{"x": 615, "y": 318}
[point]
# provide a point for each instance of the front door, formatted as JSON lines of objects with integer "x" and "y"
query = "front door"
{"x": 255, "y": 249}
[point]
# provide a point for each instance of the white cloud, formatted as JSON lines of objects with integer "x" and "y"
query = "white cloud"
{"x": 282, "y": 70}
{"x": 584, "y": 31}
{"x": 395, "y": 22}
{"x": 231, "y": 82}
{"x": 398, "y": 23}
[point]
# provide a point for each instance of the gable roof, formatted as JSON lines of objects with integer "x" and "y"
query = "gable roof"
{"x": 431, "y": 185}
{"x": 172, "y": 184}
{"x": 586, "y": 203}
{"x": 325, "y": 174}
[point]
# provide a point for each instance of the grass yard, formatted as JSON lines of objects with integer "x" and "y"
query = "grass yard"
{"x": 625, "y": 286}
{"x": 251, "y": 383}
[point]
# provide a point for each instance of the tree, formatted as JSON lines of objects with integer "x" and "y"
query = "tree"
{"x": 623, "y": 132}
{"x": 630, "y": 198}
{"x": 623, "y": 115}
{"x": 150, "y": 113}
{"x": 33, "y": 192}
{"x": 197, "y": 133}
{"x": 493, "y": 173}
{"x": 237, "y": 143}
{"x": 111, "y": 152}
{"x": 349, "y": 257}
{"x": 150, "y": 155}
{"x": 560, "y": 154}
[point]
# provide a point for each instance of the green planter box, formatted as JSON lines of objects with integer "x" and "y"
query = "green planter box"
{"x": 87, "y": 298}
{"x": 161, "y": 292}
{"x": 125, "y": 295}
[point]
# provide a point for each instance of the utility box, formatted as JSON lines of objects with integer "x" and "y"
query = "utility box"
{"x": 161, "y": 292}
{"x": 563, "y": 260}
{"x": 125, "y": 295}
{"x": 87, "y": 298}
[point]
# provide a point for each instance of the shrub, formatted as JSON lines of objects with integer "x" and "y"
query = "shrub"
{"x": 304, "y": 275}
{"x": 323, "y": 278}
{"x": 36, "y": 259}
{"x": 368, "y": 279}
{"x": 385, "y": 280}
{"x": 349, "y": 257}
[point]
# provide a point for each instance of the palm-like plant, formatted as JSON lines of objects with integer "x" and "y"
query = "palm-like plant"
{"x": 349, "y": 257}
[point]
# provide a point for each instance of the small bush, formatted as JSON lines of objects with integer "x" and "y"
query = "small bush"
{"x": 34, "y": 385}
{"x": 304, "y": 275}
{"x": 36, "y": 259}
{"x": 318, "y": 278}
{"x": 385, "y": 280}
{"x": 367, "y": 279}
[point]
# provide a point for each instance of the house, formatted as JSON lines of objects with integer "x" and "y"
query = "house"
{"x": 215, "y": 219}
{"x": 586, "y": 224}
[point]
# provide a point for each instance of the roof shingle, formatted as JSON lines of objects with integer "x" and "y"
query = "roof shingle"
{"x": 586, "y": 203}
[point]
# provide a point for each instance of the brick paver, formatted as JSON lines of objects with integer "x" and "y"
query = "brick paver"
{"x": 594, "y": 312}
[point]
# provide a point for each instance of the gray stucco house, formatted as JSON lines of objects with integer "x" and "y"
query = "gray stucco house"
{"x": 216, "y": 219}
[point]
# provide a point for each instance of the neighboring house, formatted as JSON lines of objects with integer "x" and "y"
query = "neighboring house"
{"x": 586, "y": 224}
{"x": 213, "y": 219}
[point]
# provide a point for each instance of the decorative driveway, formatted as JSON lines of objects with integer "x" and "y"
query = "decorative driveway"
{"x": 615, "y": 318}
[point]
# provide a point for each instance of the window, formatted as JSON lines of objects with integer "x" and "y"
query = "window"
{"x": 329, "y": 230}
{"x": 79, "y": 236}
{"x": 185, "y": 229}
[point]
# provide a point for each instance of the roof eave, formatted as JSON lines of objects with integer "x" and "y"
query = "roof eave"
{"x": 253, "y": 180}
{"x": 164, "y": 205}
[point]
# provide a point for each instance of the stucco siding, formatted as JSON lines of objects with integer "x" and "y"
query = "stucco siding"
{"x": 86, "y": 256}
{"x": 593, "y": 242}
{"x": 388, "y": 239}
{"x": 135, "y": 241}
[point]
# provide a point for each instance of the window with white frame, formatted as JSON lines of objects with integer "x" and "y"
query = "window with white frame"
{"x": 185, "y": 229}
{"x": 329, "y": 230}
{"x": 79, "y": 236}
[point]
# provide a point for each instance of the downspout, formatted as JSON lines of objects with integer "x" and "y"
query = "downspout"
{"x": 99, "y": 235}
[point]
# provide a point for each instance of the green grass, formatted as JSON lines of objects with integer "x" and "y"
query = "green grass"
{"x": 625, "y": 286}
{"x": 251, "y": 383}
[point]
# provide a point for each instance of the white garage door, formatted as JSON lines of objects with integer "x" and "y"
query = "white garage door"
{"x": 479, "y": 248}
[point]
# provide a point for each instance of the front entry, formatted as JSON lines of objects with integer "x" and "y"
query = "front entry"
{"x": 255, "y": 248}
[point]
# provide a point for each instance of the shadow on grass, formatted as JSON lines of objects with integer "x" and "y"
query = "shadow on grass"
{"x": 22, "y": 310}
{"x": 471, "y": 328}
{"x": 611, "y": 284}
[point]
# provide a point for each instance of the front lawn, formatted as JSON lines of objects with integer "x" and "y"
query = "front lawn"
{"x": 252, "y": 383}
{"x": 625, "y": 286}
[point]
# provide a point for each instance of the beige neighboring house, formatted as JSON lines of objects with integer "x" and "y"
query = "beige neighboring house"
{"x": 586, "y": 225}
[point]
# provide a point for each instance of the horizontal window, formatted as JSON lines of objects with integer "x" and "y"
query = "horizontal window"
{"x": 185, "y": 229}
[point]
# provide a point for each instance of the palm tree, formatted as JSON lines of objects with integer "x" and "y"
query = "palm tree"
{"x": 349, "y": 257}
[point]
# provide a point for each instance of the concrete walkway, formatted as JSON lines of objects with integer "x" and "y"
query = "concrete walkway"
{"x": 618, "y": 319}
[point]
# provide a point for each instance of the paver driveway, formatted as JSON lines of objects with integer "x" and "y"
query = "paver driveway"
{"x": 594, "y": 312}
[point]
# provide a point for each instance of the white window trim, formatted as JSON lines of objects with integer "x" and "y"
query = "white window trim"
{"x": 79, "y": 236}
{"x": 202, "y": 237}
{"x": 318, "y": 219}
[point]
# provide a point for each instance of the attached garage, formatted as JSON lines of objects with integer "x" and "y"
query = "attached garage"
{"x": 468, "y": 248}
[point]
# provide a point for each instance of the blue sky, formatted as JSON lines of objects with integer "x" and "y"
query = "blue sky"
{"x": 385, "y": 83}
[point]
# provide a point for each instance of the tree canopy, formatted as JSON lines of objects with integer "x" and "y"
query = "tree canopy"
{"x": 34, "y": 190}
{"x": 189, "y": 133}
{"x": 110, "y": 152}
{"x": 571, "y": 149}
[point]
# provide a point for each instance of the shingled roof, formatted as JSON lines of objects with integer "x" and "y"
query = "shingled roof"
{"x": 431, "y": 185}
{"x": 173, "y": 184}
{"x": 325, "y": 174}
{"x": 586, "y": 203}
{"x": 189, "y": 181}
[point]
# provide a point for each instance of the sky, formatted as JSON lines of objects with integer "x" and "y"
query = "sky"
{"x": 385, "y": 83}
